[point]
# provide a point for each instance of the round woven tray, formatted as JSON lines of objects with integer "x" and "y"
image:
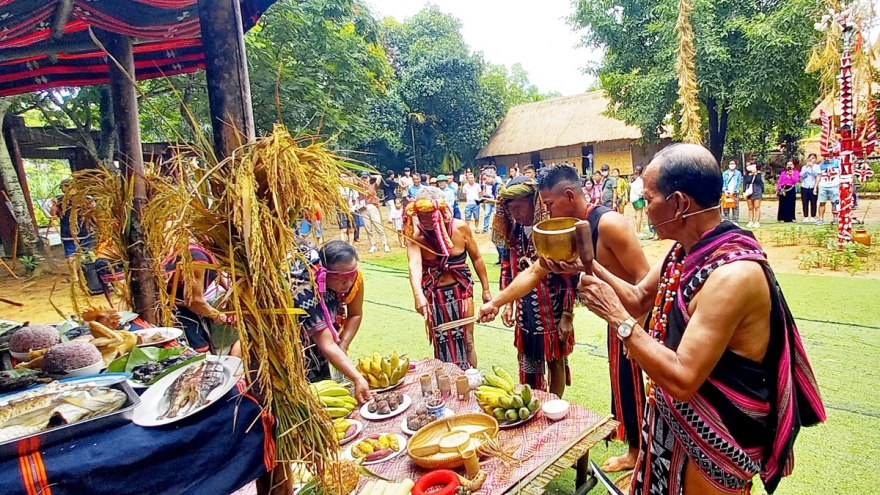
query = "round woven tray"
{"x": 432, "y": 432}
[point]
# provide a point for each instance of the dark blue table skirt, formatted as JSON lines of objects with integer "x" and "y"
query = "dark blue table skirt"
{"x": 210, "y": 453}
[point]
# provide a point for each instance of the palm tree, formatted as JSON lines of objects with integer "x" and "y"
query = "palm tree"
{"x": 415, "y": 118}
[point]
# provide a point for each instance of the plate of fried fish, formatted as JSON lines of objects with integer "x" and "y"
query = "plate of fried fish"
{"x": 188, "y": 390}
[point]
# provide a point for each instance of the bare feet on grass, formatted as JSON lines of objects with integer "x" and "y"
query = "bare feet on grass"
{"x": 621, "y": 463}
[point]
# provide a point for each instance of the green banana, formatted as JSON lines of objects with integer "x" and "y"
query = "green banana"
{"x": 506, "y": 402}
{"x": 524, "y": 413}
{"x": 511, "y": 415}
{"x": 534, "y": 405}
{"x": 395, "y": 361}
{"x": 504, "y": 375}
{"x": 497, "y": 381}
{"x": 526, "y": 394}
{"x": 323, "y": 385}
{"x": 332, "y": 401}
{"x": 490, "y": 389}
{"x": 498, "y": 413}
{"x": 384, "y": 381}
{"x": 337, "y": 391}
{"x": 517, "y": 401}
{"x": 337, "y": 412}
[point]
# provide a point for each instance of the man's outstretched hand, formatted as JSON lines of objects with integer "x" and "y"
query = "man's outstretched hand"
{"x": 488, "y": 312}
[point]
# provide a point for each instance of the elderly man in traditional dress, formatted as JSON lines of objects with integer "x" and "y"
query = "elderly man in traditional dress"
{"x": 729, "y": 381}
{"x": 543, "y": 332}
{"x": 437, "y": 247}
{"x": 617, "y": 248}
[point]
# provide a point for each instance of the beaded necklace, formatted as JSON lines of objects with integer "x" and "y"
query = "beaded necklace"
{"x": 666, "y": 292}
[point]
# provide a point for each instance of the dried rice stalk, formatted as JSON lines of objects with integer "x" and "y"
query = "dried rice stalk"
{"x": 691, "y": 127}
{"x": 241, "y": 211}
{"x": 491, "y": 447}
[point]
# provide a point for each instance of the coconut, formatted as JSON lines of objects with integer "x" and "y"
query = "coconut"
{"x": 34, "y": 337}
{"x": 68, "y": 356}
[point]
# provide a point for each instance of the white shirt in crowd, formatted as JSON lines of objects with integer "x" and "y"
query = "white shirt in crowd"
{"x": 636, "y": 190}
{"x": 472, "y": 193}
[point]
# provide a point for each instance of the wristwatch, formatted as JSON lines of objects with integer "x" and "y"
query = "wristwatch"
{"x": 625, "y": 329}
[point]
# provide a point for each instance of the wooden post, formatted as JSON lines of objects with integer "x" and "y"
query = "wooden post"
{"x": 144, "y": 287}
{"x": 232, "y": 119}
{"x": 229, "y": 91}
{"x": 15, "y": 153}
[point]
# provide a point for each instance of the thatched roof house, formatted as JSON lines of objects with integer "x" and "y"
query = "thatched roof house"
{"x": 570, "y": 129}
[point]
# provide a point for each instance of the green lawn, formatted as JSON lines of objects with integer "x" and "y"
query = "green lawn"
{"x": 836, "y": 316}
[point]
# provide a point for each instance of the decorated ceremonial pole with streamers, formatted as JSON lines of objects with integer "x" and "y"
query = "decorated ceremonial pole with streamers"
{"x": 844, "y": 211}
{"x": 854, "y": 141}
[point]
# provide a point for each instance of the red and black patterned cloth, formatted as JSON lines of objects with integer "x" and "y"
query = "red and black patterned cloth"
{"x": 166, "y": 32}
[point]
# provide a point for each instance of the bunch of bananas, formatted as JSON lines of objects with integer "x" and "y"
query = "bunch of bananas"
{"x": 337, "y": 401}
{"x": 499, "y": 397}
{"x": 381, "y": 372}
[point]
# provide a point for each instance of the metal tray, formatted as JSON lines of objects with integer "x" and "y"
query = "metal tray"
{"x": 37, "y": 441}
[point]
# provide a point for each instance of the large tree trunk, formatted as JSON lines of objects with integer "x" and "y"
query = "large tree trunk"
{"x": 107, "y": 147}
{"x": 718, "y": 115}
{"x": 27, "y": 231}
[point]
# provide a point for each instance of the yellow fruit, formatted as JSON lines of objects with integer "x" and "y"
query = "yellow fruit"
{"x": 384, "y": 381}
{"x": 386, "y": 367}
{"x": 499, "y": 382}
{"x": 393, "y": 442}
{"x": 396, "y": 375}
{"x": 363, "y": 366}
{"x": 375, "y": 368}
{"x": 395, "y": 361}
{"x": 332, "y": 401}
{"x": 337, "y": 391}
{"x": 383, "y": 441}
{"x": 337, "y": 412}
{"x": 373, "y": 381}
{"x": 504, "y": 375}
{"x": 366, "y": 447}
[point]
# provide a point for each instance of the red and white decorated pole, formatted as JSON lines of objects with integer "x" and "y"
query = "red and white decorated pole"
{"x": 847, "y": 137}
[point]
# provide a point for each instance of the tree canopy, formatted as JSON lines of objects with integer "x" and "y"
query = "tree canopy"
{"x": 445, "y": 100}
{"x": 750, "y": 59}
{"x": 396, "y": 93}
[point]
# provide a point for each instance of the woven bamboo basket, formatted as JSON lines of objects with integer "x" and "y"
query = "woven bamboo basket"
{"x": 431, "y": 434}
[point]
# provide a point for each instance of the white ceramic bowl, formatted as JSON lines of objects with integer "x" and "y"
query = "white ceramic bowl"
{"x": 93, "y": 369}
{"x": 555, "y": 409}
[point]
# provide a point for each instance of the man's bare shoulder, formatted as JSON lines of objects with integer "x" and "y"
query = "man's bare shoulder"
{"x": 613, "y": 224}
{"x": 461, "y": 226}
{"x": 742, "y": 283}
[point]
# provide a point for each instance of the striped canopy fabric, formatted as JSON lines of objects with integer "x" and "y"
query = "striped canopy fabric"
{"x": 165, "y": 32}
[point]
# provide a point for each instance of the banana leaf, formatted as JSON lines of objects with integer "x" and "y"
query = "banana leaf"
{"x": 143, "y": 355}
